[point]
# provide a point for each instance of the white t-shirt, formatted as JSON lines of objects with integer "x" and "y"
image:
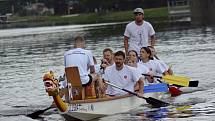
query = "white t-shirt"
{"x": 142, "y": 69}
{"x": 154, "y": 66}
{"x": 80, "y": 58}
{"x": 165, "y": 66}
{"x": 97, "y": 68}
{"x": 138, "y": 35}
{"x": 125, "y": 78}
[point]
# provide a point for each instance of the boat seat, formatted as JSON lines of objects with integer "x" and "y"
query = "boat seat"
{"x": 73, "y": 77}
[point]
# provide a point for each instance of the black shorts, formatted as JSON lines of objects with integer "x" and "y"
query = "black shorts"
{"x": 89, "y": 82}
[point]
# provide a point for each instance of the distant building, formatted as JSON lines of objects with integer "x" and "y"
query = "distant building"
{"x": 179, "y": 8}
{"x": 5, "y": 7}
{"x": 38, "y": 9}
{"x": 73, "y": 6}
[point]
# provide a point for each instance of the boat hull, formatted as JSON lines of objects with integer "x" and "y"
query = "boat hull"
{"x": 96, "y": 108}
{"x": 92, "y": 108}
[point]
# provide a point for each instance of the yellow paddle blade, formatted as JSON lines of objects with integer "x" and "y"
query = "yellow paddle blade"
{"x": 182, "y": 108}
{"x": 179, "y": 80}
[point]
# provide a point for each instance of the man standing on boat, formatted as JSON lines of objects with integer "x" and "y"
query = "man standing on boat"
{"x": 138, "y": 33}
{"x": 83, "y": 59}
{"x": 122, "y": 75}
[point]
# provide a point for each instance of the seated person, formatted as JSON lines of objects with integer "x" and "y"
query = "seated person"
{"x": 107, "y": 59}
{"x": 154, "y": 66}
{"x": 133, "y": 62}
{"x": 122, "y": 75}
{"x": 83, "y": 59}
{"x": 154, "y": 57}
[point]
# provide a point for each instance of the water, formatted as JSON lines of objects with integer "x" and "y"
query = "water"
{"x": 27, "y": 53}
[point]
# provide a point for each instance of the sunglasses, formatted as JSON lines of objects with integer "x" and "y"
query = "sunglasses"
{"x": 138, "y": 14}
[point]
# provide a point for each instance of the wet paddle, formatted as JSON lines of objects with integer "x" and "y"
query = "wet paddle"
{"x": 172, "y": 89}
{"x": 160, "y": 87}
{"x": 36, "y": 114}
{"x": 177, "y": 80}
{"x": 154, "y": 102}
{"x": 191, "y": 84}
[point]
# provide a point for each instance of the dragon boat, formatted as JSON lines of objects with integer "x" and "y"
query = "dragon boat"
{"x": 79, "y": 108}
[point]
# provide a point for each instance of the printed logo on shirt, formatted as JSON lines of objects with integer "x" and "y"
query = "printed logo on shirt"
{"x": 125, "y": 77}
{"x": 76, "y": 52}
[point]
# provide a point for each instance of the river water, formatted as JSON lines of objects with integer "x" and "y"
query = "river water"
{"x": 27, "y": 53}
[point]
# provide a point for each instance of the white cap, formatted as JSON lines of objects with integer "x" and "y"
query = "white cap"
{"x": 138, "y": 10}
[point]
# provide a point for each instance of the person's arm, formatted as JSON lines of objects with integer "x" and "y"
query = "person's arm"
{"x": 92, "y": 69}
{"x": 139, "y": 79}
{"x": 141, "y": 85}
{"x": 105, "y": 78}
{"x": 152, "y": 38}
{"x": 170, "y": 71}
{"x": 165, "y": 73}
{"x": 151, "y": 35}
{"x": 104, "y": 64}
{"x": 91, "y": 62}
{"x": 65, "y": 59}
{"x": 126, "y": 44}
{"x": 161, "y": 67}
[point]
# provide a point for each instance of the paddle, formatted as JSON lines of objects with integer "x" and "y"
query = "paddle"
{"x": 178, "y": 80}
{"x": 161, "y": 87}
{"x": 36, "y": 114}
{"x": 173, "y": 90}
{"x": 154, "y": 102}
{"x": 191, "y": 84}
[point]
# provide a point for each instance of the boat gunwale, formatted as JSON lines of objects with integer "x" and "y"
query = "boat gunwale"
{"x": 100, "y": 99}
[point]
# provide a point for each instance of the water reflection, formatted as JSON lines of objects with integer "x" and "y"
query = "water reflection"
{"x": 155, "y": 114}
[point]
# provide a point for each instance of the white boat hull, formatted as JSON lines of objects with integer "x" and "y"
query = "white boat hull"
{"x": 88, "y": 110}
{"x": 92, "y": 108}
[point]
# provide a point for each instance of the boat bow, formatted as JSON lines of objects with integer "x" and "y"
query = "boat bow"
{"x": 52, "y": 88}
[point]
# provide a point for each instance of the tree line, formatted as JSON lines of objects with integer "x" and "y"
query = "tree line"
{"x": 61, "y": 7}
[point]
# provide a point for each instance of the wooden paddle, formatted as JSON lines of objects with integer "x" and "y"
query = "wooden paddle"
{"x": 154, "y": 102}
{"x": 177, "y": 80}
{"x": 36, "y": 114}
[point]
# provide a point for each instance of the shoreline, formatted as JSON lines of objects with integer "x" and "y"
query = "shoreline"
{"x": 158, "y": 17}
{"x": 157, "y": 23}
{"x": 152, "y": 14}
